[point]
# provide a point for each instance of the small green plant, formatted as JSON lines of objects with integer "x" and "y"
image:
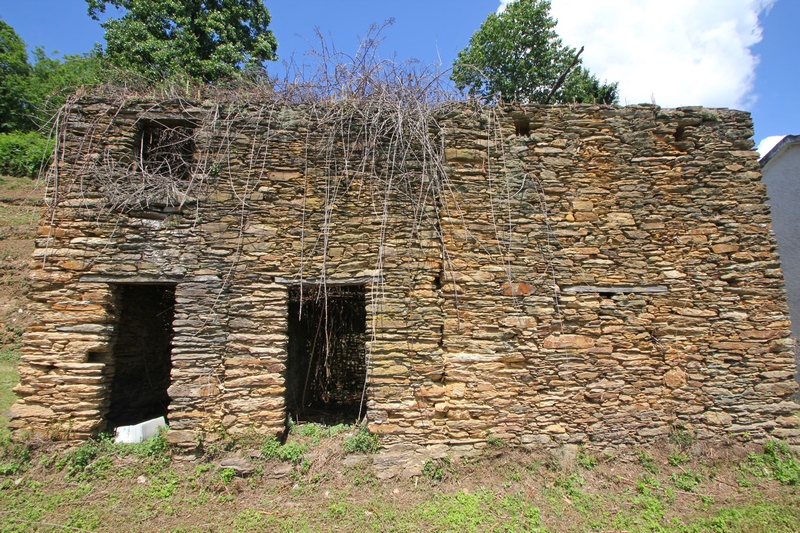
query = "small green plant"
{"x": 681, "y": 438}
{"x": 678, "y": 458}
{"x": 362, "y": 441}
{"x": 647, "y": 461}
{"x": 776, "y": 462}
{"x": 9, "y": 354}
{"x": 76, "y": 460}
{"x": 311, "y": 429}
{"x": 570, "y": 483}
{"x": 586, "y": 460}
{"x": 436, "y": 469}
{"x": 164, "y": 485}
{"x": 687, "y": 480}
{"x": 316, "y": 432}
{"x": 709, "y": 115}
{"x": 495, "y": 442}
{"x": 226, "y": 475}
{"x": 291, "y": 451}
{"x": 646, "y": 482}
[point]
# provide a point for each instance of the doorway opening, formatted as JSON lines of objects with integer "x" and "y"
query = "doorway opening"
{"x": 326, "y": 368}
{"x": 141, "y": 355}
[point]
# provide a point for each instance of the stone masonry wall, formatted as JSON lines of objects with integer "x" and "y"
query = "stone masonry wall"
{"x": 586, "y": 274}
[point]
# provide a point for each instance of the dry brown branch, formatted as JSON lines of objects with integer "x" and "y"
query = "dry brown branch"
{"x": 373, "y": 122}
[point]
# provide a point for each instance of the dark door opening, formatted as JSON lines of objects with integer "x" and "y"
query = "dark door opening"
{"x": 326, "y": 368}
{"x": 141, "y": 354}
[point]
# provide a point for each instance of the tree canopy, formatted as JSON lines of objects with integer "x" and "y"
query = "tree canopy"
{"x": 203, "y": 39}
{"x": 518, "y": 56}
{"x": 31, "y": 92}
{"x": 14, "y": 71}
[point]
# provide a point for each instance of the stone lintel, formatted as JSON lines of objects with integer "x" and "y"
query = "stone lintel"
{"x": 149, "y": 280}
{"x": 617, "y": 289}
{"x": 361, "y": 280}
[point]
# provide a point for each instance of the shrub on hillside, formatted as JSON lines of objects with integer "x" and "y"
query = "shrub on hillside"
{"x": 24, "y": 154}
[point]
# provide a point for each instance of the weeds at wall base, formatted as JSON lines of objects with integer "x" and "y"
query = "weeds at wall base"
{"x": 509, "y": 490}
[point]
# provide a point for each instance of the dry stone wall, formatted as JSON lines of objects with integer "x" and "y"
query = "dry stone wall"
{"x": 571, "y": 274}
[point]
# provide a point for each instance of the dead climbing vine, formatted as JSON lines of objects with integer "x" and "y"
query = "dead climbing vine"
{"x": 374, "y": 124}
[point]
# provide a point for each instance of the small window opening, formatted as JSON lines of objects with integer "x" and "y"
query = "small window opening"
{"x": 522, "y": 126}
{"x": 141, "y": 355}
{"x": 679, "y": 133}
{"x": 326, "y": 367}
{"x": 166, "y": 149}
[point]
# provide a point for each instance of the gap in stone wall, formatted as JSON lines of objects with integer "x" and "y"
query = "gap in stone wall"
{"x": 166, "y": 149}
{"x": 326, "y": 365}
{"x": 141, "y": 354}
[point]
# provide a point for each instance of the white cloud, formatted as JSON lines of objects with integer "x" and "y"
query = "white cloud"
{"x": 677, "y": 52}
{"x": 768, "y": 143}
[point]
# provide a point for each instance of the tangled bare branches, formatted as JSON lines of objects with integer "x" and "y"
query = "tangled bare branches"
{"x": 369, "y": 122}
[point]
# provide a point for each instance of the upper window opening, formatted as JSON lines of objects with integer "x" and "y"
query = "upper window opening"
{"x": 522, "y": 126}
{"x": 166, "y": 149}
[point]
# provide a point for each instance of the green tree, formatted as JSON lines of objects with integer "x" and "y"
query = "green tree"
{"x": 518, "y": 56}
{"x": 14, "y": 72}
{"x": 52, "y": 80}
{"x": 202, "y": 39}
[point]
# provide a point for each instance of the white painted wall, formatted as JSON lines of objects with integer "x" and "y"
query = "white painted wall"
{"x": 782, "y": 177}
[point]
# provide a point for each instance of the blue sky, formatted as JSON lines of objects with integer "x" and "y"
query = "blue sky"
{"x": 717, "y": 53}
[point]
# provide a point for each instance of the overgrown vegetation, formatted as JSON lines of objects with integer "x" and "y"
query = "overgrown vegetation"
{"x": 361, "y": 441}
{"x": 306, "y": 484}
{"x": 776, "y": 462}
{"x": 24, "y": 154}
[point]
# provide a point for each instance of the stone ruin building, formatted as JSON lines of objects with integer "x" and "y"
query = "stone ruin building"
{"x": 543, "y": 275}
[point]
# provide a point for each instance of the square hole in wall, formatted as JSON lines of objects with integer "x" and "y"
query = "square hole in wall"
{"x": 166, "y": 148}
{"x": 326, "y": 367}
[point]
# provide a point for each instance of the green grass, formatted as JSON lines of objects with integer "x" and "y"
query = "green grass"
{"x": 146, "y": 488}
{"x": 14, "y": 216}
{"x": 8, "y": 379}
{"x": 154, "y": 492}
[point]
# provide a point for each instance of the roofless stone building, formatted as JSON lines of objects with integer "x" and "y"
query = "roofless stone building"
{"x": 543, "y": 275}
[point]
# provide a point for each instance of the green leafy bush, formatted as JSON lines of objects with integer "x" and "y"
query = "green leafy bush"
{"x": 362, "y": 441}
{"x": 317, "y": 432}
{"x": 291, "y": 451}
{"x": 647, "y": 461}
{"x": 586, "y": 460}
{"x": 24, "y": 154}
{"x": 681, "y": 438}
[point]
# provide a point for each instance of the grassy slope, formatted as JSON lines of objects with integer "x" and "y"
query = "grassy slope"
{"x": 676, "y": 487}
{"x": 106, "y": 487}
{"x": 20, "y": 210}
